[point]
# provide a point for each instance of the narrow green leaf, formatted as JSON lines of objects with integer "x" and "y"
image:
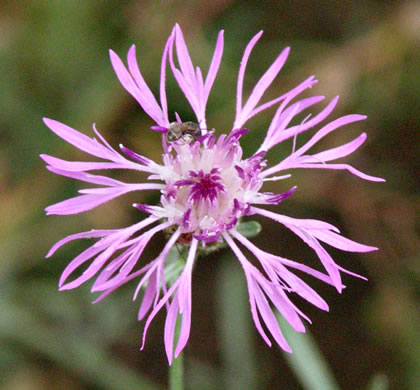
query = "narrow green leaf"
{"x": 238, "y": 356}
{"x": 379, "y": 382}
{"x": 87, "y": 358}
{"x": 307, "y": 361}
{"x": 176, "y": 370}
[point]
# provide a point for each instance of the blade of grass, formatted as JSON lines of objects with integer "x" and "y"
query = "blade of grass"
{"x": 87, "y": 359}
{"x": 379, "y": 382}
{"x": 307, "y": 361}
{"x": 237, "y": 353}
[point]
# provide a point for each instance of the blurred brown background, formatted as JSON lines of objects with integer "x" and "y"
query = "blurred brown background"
{"x": 54, "y": 63}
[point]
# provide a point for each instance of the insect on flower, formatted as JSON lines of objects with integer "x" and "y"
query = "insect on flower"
{"x": 205, "y": 187}
{"x": 185, "y": 132}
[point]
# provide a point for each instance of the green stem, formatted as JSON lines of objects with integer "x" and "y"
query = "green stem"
{"x": 176, "y": 370}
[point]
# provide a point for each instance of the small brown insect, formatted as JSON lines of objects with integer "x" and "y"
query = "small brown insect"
{"x": 185, "y": 132}
{"x": 185, "y": 238}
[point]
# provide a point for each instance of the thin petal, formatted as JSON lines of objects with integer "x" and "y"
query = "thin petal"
{"x": 345, "y": 120}
{"x": 215, "y": 63}
{"x": 77, "y": 236}
{"x": 184, "y": 58}
{"x": 312, "y": 224}
{"x": 276, "y": 127}
{"x": 341, "y": 167}
{"x": 253, "y": 306}
{"x": 79, "y": 260}
{"x": 169, "y": 331}
{"x": 256, "y": 297}
{"x": 241, "y": 75}
{"x": 137, "y": 88}
{"x": 262, "y": 86}
{"x": 96, "y": 196}
{"x": 148, "y": 297}
{"x": 274, "y": 264}
{"x": 107, "y": 245}
{"x": 341, "y": 242}
{"x": 340, "y": 151}
{"x": 184, "y": 298}
{"x": 148, "y": 101}
{"x": 308, "y": 237}
{"x": 81, "y": 204}
{"x": 86, "y": 177}
{"x": 77, "y": 139}
{"x": 157, "y": 308}
{"x": 290, "y": 95}
{"x": 270, "y": 320}
{"x": 162, "y": 88}
{"x": 124, "y": 265}
{"x": 78, "y": 166}
{"x": 295, "y": 130}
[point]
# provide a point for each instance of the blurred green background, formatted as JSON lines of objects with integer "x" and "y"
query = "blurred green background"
{"x": 54, "y": 62}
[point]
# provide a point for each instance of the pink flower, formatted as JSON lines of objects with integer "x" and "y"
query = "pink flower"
{"x": 206, "y": 186}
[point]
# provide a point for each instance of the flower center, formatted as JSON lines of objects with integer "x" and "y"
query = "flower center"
{"x": 213, "y": 186}
{"x": 204, "y": 186}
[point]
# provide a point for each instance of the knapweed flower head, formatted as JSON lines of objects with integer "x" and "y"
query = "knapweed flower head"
{"x": 206, "y": 186}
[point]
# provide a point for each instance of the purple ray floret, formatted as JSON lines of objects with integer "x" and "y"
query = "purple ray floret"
{"x": 206, "y": 186}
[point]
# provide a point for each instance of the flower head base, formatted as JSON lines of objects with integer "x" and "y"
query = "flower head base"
{"x": 206, "y": 186}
